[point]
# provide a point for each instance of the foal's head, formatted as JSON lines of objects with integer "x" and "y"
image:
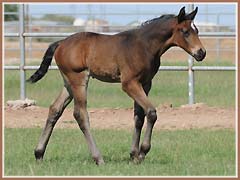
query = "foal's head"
{"x": 185, "y": 35}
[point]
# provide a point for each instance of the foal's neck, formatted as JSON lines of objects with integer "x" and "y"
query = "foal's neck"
{"x": 158, "y": 37}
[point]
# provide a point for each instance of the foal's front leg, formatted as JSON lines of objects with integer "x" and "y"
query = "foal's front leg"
{"x": 139, "y": 116}
{"x": 135, "y": 90}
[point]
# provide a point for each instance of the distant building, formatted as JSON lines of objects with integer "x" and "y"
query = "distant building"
{"x": 79, "y": 22}
{"x": 92, "y": 25}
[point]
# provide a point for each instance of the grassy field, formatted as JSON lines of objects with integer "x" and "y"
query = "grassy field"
{"x": 173, "y": 153}
{"x": 212, "y": 88}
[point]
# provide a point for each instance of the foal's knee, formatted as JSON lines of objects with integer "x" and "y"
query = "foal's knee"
{"x": 152, "y": 116}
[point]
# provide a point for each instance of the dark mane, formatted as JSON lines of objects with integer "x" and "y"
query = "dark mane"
{"x": 158, "y": 19}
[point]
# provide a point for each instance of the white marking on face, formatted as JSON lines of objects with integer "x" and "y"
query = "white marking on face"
{"x": 193, "y": 26}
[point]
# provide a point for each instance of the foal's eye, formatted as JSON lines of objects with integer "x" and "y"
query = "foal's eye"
{"x": 186, "y": 33}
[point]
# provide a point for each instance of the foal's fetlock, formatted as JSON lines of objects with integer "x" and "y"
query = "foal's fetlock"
{"x": 145, "y": 148}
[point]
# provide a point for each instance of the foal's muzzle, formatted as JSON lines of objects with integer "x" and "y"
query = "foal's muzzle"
{"x": 200, "y": 54}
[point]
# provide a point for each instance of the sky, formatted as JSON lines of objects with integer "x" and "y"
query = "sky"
{"x": 226, "y": 11}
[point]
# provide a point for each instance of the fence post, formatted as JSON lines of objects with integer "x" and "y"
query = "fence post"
{"x": 190, "y": 71}
{"x": 190, "y": 81}
{"x": 22, "y": 52}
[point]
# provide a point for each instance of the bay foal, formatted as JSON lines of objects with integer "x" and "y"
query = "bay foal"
{"x": 130, "y": 57}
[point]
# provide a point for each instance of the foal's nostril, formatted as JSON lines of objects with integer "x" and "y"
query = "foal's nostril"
{"x": 201, "y": 53}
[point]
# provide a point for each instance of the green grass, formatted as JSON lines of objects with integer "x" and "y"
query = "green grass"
{"x": 212, "y": 88}
{"x": 173, "y": 153}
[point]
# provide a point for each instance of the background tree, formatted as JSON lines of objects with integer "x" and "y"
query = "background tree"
{"x": 10, "y": 8}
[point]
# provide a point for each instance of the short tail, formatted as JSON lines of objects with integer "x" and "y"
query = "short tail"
{"x": 47, "y": 59}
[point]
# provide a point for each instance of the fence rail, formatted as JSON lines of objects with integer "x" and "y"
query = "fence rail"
{"x": 190, "y": 68}
{"x": 162, "y": 68}
{"x": 203, "y": 34}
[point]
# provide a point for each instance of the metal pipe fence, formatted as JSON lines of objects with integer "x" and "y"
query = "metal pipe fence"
{"x": 202, "y": 34}
{"x": 190, "y": 68}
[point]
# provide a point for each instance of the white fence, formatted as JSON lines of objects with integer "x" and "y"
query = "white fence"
{"x": 190, "y": 68}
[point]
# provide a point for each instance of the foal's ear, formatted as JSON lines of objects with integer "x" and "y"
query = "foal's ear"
{"x": 181, "y": 15}
{"x": 192, "y": 15}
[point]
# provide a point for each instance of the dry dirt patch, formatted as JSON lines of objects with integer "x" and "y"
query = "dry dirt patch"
{"x": 184, "y": 117}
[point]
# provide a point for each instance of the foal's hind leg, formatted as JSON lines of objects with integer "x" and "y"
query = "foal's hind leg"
{"x": 55, "y": 111}
{"x": 79, "y": 85}
{"x": 139, "y": 121}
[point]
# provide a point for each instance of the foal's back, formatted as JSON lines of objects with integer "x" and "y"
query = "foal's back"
{"x": 102, "y": 55}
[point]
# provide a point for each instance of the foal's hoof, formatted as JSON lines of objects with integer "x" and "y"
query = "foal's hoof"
{"x": 38, "y": 155}
{"x": 134, "y": 157}
{"x": 100, "y": 162}
{"x": 39, "y": 161}
{"x": 136, "y": 160}
{"x": 141, "y": 157}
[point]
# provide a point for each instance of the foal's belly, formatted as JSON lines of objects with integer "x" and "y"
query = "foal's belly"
{"x": 106, "y": 76}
